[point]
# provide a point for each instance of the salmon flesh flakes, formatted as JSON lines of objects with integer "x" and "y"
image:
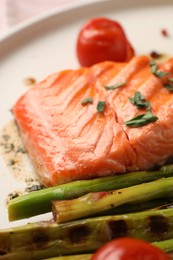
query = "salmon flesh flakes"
{"x": 68, "y": 138}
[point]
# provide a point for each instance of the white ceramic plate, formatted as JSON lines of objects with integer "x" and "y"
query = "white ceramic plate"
{"x": 47, "y": 44}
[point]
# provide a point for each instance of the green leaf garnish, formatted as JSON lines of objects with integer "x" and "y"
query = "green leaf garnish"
{"x": 170, "y": 79}
{"x": 140, "y": 101}
{"x": 152, "y": 63}
{"x": 141, "y": 120}
{"x": 169, "y": 86}
{"x": 160, "y": 74}
{"x": 115, "y": 86}
{"x": 155, "y": 71}
{"x": 87, "y": 100}
{"x": 101, "y": 106}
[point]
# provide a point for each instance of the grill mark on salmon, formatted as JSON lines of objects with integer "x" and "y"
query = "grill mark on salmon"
{"x": 69, "y": 141}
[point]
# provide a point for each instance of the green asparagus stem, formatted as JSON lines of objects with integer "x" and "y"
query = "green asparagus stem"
{"x": 45, "y": 239}
{"x": 166, "y": 246}
{"x": 137, "y": 207}
{"x": 71, "y": 257}
{"x": 39, "y": 202}
{"x": 99, "y": 202}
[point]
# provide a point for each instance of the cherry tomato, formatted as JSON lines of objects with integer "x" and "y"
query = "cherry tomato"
{"x": 102, "y": 39}
{"x": 129, "y": 249}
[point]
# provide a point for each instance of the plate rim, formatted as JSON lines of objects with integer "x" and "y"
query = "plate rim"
{"x": 11, "y": 31}
{"x": 38, "y": 18}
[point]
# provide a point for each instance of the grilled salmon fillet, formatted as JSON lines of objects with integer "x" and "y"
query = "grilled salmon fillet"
{"x": 68, "y": 141}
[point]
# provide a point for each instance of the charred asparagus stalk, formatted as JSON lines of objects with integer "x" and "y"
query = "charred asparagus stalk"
{"x": 44, "y": 240}
{"x": 39, "y": 202}
{"x": 98, "y": 203}
{"x": 166, "y": 246}
{"x": 72, "y": 257}
{"x": 137, "y": 207}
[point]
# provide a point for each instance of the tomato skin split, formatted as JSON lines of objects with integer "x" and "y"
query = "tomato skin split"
{"x": 129, "y": 249}
{"x": 102, "y": 39}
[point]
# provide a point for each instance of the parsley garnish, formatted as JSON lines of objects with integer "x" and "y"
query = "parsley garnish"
{"x": 153, "y": 66}
{"x": 101, "y": 106}
{"x": 152, "y": 63}
{"x": 140, "y": 101}
{"x": 141, "y": 120}
{"x": 170, "y": 79}
{"x": 155, "y": 71}
{"x": 160, "y": 74}
{"x": 115, "y": 86}
{"x": 169, "y": 86}
{"x": 87, "y": 100}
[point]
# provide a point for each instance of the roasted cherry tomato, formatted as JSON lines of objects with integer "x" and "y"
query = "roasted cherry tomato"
{"x": 102, "y": 39}
{"x": 129, "y": 249}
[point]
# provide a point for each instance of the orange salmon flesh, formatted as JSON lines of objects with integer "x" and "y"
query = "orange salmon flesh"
{"x": 68, "y": 141}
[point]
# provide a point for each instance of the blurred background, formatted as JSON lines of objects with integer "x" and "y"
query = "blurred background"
{"x": 13, "y": 12}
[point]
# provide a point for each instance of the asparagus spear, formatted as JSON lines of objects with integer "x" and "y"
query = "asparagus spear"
{"x": 44, "y": 240}
{"x": 166, "y": 246}
{"x": 71, "y": 257}
{"x": 39, "y": 202}
{"x": 161, "y": 203}
{"x": 99, "y": 202}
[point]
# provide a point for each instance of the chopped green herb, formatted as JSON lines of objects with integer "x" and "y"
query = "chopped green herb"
{"x": 141, "y": 120}
{"x": 148, "y": 106}
{"x": 170, "y": 79}
{"x": 115, "y": 86}
{"x": 169, "y": 86}
{"x": 101, "y": 106}
{"x": 154, "y": 70}
{"x": 160, "y": 74}
{"x": 138, "y": 97}
{"x": 140, "y": 101}
{"x": 87, "y": 100}
{"x": 152, "y": 63}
